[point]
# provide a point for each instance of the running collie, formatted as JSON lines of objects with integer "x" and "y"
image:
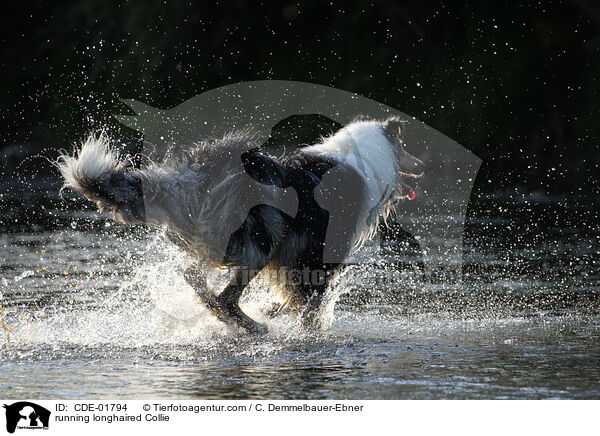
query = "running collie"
{"x": 343, "y": 185}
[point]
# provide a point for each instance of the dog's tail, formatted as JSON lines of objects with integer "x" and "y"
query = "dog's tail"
{"x": 97, "y": 172}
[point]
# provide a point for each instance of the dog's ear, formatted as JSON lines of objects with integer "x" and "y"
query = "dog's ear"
{"x": 392, "y": 128}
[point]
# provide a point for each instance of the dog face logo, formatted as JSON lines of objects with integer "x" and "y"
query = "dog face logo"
{"x": 26, "y": 415}
{"x": 445, "y": 192}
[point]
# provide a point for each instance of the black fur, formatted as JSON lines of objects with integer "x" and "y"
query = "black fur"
{"x": 205, "y": 189}
{"x": 305, "y": 232}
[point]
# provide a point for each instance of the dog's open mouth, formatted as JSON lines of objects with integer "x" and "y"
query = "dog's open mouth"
{"x": 410, "y": 168}
{"x": 405, "y": 190}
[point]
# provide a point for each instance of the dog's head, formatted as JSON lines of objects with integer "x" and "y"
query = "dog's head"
{"x": 408, "y": 165}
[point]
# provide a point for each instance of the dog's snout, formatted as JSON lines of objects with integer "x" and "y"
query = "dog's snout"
{"x": 411, "y": 165}
{"x": 419, "y": 167}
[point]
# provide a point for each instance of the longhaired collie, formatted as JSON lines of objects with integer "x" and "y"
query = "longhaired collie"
{"x": 343, "y": 186}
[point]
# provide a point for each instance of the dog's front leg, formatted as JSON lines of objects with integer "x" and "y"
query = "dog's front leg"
{"x": 224, "y": 306}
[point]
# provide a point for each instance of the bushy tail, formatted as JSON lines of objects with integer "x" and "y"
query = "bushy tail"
{"x": 96, "y": 171}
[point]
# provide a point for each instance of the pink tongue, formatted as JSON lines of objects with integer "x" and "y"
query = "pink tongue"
{"x": 411, "y": 194}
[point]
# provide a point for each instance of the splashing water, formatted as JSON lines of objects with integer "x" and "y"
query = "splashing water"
{"x": 107, "y": 313}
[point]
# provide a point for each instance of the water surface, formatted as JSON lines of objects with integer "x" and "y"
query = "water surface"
{"x": 97, "y": 310}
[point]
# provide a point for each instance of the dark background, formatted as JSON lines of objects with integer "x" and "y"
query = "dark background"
{"x": 518, "y": 85}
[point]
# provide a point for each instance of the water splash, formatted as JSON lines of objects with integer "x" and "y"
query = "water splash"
{"x": 150, "y": 305}
{"x": 107, "y": 299}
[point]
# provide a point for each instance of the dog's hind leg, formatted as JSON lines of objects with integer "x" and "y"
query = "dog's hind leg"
{"x": 225, "y": 305}
{"x": 229, "y": 307}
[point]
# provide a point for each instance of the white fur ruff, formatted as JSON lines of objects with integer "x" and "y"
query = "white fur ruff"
{"x": 364, "y": 146}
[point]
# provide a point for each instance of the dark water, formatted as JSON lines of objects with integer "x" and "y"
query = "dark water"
{"x": 96, "y": 310}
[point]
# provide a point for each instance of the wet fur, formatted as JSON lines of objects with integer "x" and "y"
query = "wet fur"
{"x": 191, "y": 195}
